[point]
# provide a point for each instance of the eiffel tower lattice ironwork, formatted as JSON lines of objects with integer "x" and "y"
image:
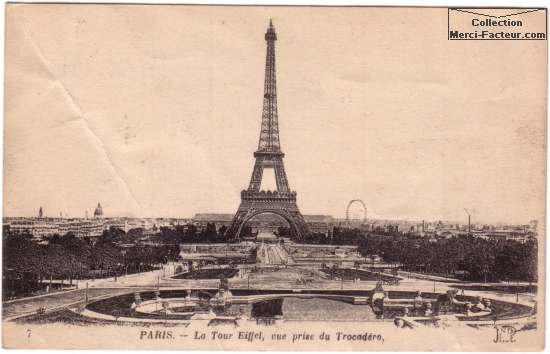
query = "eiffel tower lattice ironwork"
{"x": 269, "y": 155}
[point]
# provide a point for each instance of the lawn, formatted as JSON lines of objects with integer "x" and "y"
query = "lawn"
{"x": 208, "y": 274}
{"x": 30, "y": 305}
{"x": 66, "y": 316}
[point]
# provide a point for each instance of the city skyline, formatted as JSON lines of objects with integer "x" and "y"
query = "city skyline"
{"x": 178, "y": 139}
{"x": 89, "y": 216}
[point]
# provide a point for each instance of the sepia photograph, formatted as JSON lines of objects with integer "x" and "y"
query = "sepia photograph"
{"x": 274, "y": 178}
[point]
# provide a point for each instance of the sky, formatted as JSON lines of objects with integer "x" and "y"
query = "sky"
{"x": 155, "y": 111}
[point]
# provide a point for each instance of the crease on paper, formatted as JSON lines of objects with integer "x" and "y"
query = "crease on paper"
{"x": 104, "y": 152}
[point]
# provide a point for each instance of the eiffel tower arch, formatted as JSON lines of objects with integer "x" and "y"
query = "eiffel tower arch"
{"x": 269, "y": 155}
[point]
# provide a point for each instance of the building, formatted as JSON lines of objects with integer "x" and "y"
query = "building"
{"x": 98, "y": 213}
{"x": 200, "y": 220}
{"x": 45, "y": 227}
{"x": 319, "y": 223}
{"x": 267, "y": 223}
{"x": 20, "y": 225}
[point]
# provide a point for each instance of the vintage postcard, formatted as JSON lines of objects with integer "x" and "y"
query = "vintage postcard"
{"x": 271, "y": 178}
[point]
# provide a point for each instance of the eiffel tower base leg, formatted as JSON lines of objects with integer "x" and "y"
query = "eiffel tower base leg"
{"x": 255, "y": 203}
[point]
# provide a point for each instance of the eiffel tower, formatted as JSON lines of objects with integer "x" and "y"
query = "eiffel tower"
{"x": 269, "y": 155}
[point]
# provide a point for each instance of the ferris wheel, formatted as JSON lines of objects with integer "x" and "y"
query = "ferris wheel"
{"x": 356, "y": 213}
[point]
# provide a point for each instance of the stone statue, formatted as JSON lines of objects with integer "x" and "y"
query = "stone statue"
{"x": 418, "y": 302}
{"x": 445, "y": 301}
{"x": 224, "y": 283}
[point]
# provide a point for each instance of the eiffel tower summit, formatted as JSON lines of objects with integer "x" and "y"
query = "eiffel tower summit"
{"x": 269, "y": 155}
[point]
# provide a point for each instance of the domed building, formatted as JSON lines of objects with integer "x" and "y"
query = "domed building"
{"x": 98, "y": 213}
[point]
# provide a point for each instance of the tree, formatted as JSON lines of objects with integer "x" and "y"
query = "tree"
{"x": 111, "y": 258}
{"x": 479, "y": 262}
{"x": 112, "y": 235}
{"x": 53, "y": 262}
{"x": 20, "y": 273}
{"x": 247, "y": 230}
{"x": 55, "y": 239}
{"x": 168, "y": 236}
{"x": 132, "y": 256}
{"x": 190, "y": 234}
{"x": 209, "y": 233}
{"x": 448, "y": 255}
{"x": 222, "y": 231}
{"x": 530, "y": 261}
{"x": 134, "y": 235}
{"x": 104, "y": 256}
{"x": 283, "y": 231}
{"x": 76, "y": 253}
